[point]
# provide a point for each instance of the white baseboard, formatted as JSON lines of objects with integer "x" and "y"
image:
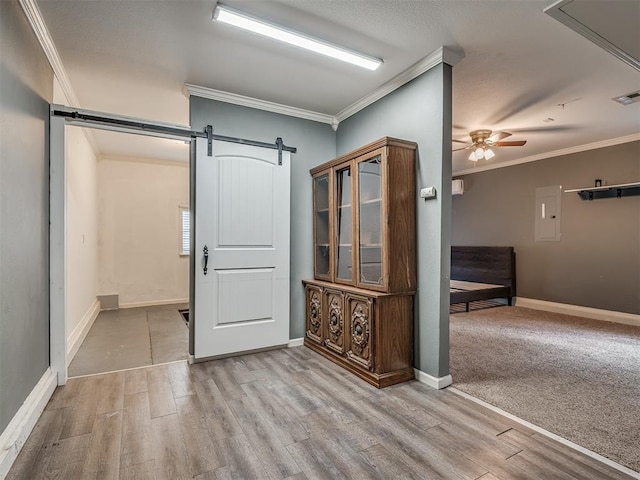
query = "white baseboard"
{"x": 579, "y": 311}
{"x": 433, "y": 382}
{"x": 549, "y": 434}
{"x": 80, "y": 332}
{"x": 154, "y": 303}
{"x": 295, "y": 342}
{"x": 22, "y": 423}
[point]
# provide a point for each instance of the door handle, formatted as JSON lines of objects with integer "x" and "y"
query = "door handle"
{"x": 206, "y": 259}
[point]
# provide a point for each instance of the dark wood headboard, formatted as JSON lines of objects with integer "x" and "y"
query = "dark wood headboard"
{"x": 495, "y": 265}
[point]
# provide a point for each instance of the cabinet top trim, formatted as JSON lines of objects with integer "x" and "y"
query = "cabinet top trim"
{"x": 383, "y": 142}
{"x": 356, "y": 290}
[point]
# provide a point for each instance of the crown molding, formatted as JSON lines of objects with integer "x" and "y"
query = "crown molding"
{"x": 556, "y": 153}
{"x": 256, "y": 103}
{"x": 441, "y": 55}
{"x": 41, "y": 32}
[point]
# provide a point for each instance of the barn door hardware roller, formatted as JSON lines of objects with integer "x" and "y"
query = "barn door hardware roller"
{"x": 210, "y": 136}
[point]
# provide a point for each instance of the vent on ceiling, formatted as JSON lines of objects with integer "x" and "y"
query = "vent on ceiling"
{"x": 627, "y": 99}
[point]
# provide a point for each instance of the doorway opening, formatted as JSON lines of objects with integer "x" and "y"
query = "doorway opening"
{"x": 136, "y": 226}
{"x": 249, "y": 247}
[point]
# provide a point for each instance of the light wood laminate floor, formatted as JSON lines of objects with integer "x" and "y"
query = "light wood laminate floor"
{"x": 283, "y": 414}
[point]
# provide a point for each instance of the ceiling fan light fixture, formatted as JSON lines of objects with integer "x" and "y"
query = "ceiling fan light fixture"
{"x": 483, "y": 141}
{"x": 238, "y": 19}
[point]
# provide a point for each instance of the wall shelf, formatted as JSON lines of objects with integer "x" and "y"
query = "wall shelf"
{"x": 607, "y": 191}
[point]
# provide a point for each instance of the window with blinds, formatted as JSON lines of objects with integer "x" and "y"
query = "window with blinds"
{"x": 185, "y": 231}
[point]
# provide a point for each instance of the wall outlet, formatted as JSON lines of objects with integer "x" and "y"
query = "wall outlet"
{"x": 428, "y": 192}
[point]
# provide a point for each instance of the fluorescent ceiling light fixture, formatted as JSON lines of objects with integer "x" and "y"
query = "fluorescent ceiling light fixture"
{"x": 233, "y": 17}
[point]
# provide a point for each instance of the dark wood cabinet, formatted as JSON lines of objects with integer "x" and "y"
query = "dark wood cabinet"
{"x": 334, "y": 301}
{"x": 315, "y": 328}
{"x": 360, "y": 303}
{"x": 369, "y": 333}
{"x": 361, "y": 326}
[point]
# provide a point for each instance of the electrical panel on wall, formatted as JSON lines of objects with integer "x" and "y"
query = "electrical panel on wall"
{"x": 547, "y": 213}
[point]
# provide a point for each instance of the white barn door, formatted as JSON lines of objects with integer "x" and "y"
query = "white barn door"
{"x": 242, "y": 237}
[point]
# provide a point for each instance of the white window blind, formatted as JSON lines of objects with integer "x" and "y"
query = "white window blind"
{"x": 185, "y": 238}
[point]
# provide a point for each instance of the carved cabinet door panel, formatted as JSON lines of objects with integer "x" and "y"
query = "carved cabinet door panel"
{"x": 315, "y": 330}
{"x": 334, "y": 302}
{"x": 360, "y": 328}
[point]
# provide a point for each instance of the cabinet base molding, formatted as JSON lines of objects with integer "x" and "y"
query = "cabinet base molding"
{"x": 375, "y": 379}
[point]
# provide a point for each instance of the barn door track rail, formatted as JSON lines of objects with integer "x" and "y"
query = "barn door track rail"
{"x": 105, "y": 121}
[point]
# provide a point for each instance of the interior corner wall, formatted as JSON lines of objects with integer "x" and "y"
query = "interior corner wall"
{"x": 597, "y": 261}
{"x": 420, "y": 111}
{"x": 316, "y": 144}
{"x": 140, "y": 229}
{"x": 26, "y": 90}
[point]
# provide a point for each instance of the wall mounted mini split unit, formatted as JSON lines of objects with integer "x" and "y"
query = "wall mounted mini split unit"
{"x": 457, "y": 187}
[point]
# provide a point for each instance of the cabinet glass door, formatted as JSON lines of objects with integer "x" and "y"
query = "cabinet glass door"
{"x": 321, "y": 226}
{"x": 344, "y": 225}
{"x": 371, "y": 222}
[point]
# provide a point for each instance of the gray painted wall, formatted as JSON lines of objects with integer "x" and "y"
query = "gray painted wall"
{"x": 26, "y": 88}
{"x": 597, "y": 261}
{"x": 420, "y": 111}
{"x": 315, "y": 143}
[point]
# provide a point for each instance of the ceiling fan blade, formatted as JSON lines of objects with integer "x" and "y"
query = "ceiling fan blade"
{"x": 463, "y": 148}
{"x": 496, "y": 137}
{"x": 459, "y": 141}
{"x": 513, "y": 143}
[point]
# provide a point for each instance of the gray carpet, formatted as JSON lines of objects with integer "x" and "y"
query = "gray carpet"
{"x": 575, "y": 377}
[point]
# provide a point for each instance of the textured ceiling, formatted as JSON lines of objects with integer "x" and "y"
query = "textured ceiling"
{"x": 521, "y": 66}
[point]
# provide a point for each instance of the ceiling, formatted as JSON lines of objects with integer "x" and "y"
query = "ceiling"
{"x": 521, "y": 67}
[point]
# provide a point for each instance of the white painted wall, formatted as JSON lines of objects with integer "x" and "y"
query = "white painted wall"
{"x": 139, "y": 230}
{"x": 82, "y": 231}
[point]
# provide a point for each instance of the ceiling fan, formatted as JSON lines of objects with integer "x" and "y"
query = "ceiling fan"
{"x": 482, "y": 141}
